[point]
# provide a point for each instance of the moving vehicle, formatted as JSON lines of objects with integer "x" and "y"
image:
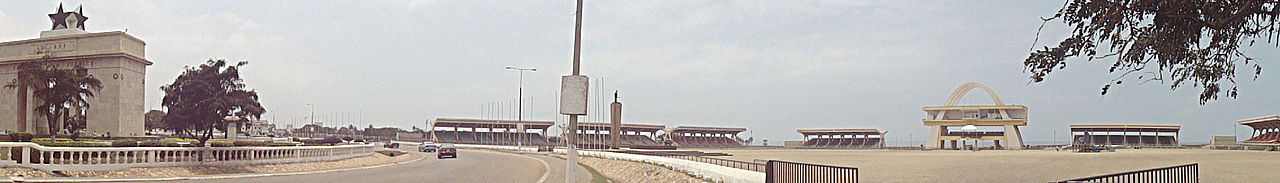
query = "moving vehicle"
{"x": 447, "y": 150}
{"x": 391, "y": 145}
{"x": 427, "y": 147}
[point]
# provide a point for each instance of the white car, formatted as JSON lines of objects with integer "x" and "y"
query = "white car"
{"x": 427, "y": 147}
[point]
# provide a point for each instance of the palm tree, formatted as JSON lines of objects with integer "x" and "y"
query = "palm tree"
{"x": 64, "y": 93}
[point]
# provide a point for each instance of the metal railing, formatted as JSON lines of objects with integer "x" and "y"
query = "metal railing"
{"x": 785, "y": 172}
{"x": 31, "y": 155}
{"x": 715, "y": 161}
{"x": 1189, "y": 173}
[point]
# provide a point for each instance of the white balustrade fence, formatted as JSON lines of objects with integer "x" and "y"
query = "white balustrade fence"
{"x": 31, "y": 155}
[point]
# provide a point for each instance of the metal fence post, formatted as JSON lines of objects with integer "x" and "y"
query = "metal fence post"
{"x": 768, "y": 171}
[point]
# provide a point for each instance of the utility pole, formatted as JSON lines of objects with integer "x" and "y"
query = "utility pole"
{"x": 576, "y": 98}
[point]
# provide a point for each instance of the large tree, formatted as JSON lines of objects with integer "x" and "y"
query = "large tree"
{"x": 1190, "y": 42}
{"x": 200, "y": 99}
{"x": 63, "y": 92}
{"x": 153, "y": 119}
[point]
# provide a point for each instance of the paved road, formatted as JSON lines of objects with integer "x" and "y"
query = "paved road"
{"x": 471, "y": 166}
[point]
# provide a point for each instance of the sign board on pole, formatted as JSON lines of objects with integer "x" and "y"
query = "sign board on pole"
{"x": 573, "y": 94}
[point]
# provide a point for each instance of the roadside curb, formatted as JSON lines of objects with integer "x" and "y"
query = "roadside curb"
{"x": 216, "y": 176}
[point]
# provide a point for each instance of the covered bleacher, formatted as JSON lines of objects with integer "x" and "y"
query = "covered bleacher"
{"x": 1125, "y": 134}
{"x": 843, "y": 138}
{"x": 1266, "y": 130}
{"x": 596, "y": 135}
{"x": 490, "y": 132}
{"x": 696, "y": 136}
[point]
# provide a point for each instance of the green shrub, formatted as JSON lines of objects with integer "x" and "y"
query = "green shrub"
{"x": 152, "y": 144}
{"x": 47, "y": 139}
{"x": 219, "y": 143}
{"x": 20, "y": 137}
{"x": 331, "y": 140}
{"x": 77, "y": 144}
{"x": 249, "y": 143}
{"x": 124, "y": 143}
{"x": 279, "y": 144}
{"x": 175, "y": 140}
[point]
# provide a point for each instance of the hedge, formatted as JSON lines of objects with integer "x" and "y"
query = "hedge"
{"x": 124, "y": 143}
{"x": 249, "y": 143}
{"x": 20, "y": 136}
{"x": 219, "y": 143}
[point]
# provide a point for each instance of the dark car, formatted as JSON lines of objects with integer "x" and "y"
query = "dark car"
{"x": 447, "y": 150}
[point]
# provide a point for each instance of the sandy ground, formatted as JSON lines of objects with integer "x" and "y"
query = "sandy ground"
{"x": 1025, "y": 165}
{"x": 636, "y": 172}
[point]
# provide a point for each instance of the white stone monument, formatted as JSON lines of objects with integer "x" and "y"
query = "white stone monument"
{"x": 115, "y": 58}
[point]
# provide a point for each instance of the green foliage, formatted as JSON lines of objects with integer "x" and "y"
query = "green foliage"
{"x": 153, "y": 144}
{"x": 279, "y": 144}
{"x": 73, "y": 144}
{"x": 124, "y": 143}
{"x": 20, "y": 136}
{"x": 153, "y": 119}
{"x": 249, "y": 143}
{"x": 202, "y": 96}
{"x": 1194, "y": 42}
{"x": 45, "y": 139}
{"x": 219, "y": 143}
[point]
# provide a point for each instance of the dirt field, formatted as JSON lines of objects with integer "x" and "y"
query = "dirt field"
{"x": 1024, "y": 165}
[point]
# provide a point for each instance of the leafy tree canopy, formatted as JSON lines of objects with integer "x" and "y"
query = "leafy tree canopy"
{"x": 202, "y": 96}
{"x": 154, "y": 119}
{"x": 1195, "y": 42}
{"x": 63, "y": 92}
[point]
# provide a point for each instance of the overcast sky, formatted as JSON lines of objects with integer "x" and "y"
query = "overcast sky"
{"x": 769, "y": 66}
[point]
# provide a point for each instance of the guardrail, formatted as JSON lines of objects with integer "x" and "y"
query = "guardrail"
{"x": 715, "y": 161}
{"x": 31, "y": 155}
{"x": 1180, "y": 173}
{"x": 784, "y": 172}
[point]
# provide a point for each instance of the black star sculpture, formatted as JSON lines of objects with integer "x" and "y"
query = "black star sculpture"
{"x": 60, "y": 18}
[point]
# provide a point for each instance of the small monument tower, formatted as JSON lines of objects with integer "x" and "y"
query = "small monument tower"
{"x": 615, "y": 119}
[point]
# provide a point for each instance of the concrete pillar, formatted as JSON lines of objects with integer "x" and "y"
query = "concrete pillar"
{"x": 1014, "y": 136}
{"x": 615, "y": 118}
{"x": 231, "y": 131}
{"x": 934, "y": 142}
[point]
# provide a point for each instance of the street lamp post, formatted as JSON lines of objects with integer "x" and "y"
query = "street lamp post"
{"x": 520, "y": 103}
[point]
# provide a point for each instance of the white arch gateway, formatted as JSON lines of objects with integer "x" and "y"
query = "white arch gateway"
{"x": 950, "y": 114}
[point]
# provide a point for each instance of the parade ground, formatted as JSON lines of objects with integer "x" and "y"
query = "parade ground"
{"x": 1023, "y": 165}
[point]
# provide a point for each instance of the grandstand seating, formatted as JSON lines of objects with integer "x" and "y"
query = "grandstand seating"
{"x": 465, "y": 137}
{"x": 1265, "y": 138}
{"x": 1132, "y": 140}
{"x": 696, "y": 141}
{"x": 843, "y": 143}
